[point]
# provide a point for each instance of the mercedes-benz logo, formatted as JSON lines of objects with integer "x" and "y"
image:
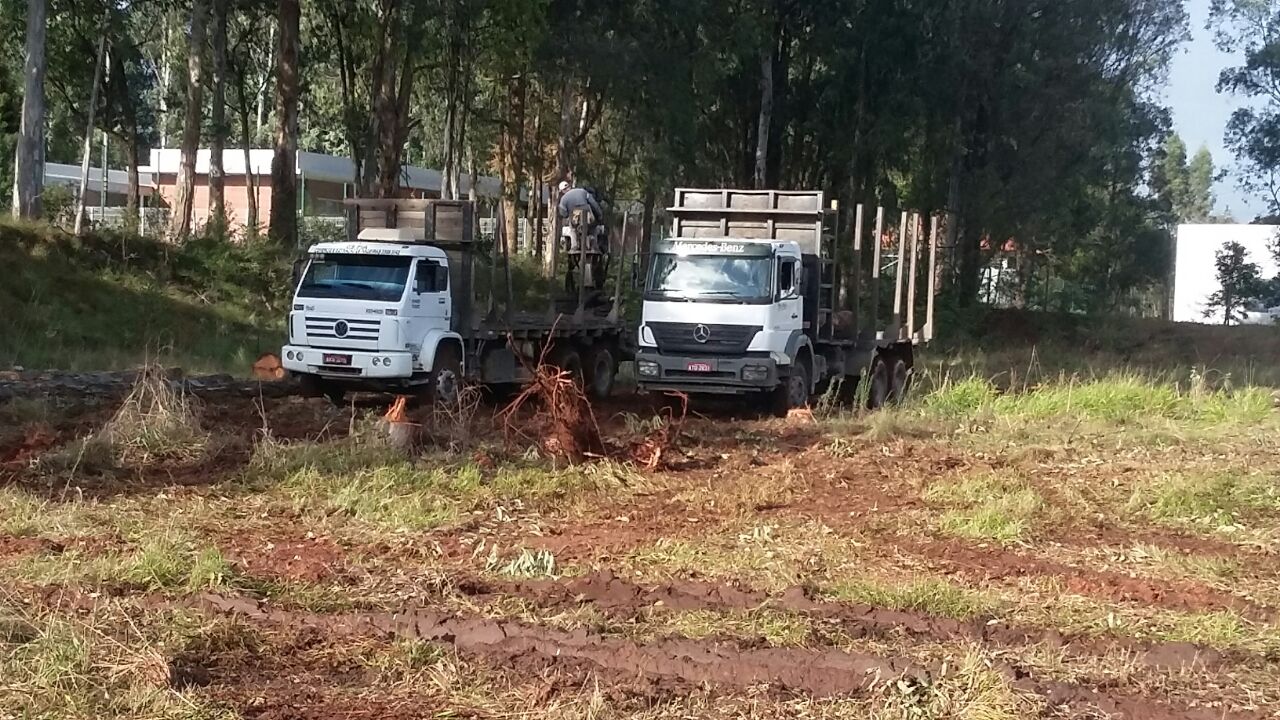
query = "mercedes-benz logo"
{"x": 702, "y": 333}
{"x": 340, "y": 328}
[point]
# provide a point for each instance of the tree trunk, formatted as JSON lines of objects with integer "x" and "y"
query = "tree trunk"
{"x": 218, "y": 118}
{"x": 452, "y": 93}
{"x": 284, "y": 164}
{"x": 129, "y": 136}
{"x": 166, "y": 77}
{"x": 263, "y": 84}
{"x": 564, "y": 142}
{"x": 90, "y": 112}
{"x": 510, "y": 153}
{"x": 246, "y": 144}
{"x": 180, "y": 221}
{"x": 760, "y": 177}
{"x": 28, "y": 166}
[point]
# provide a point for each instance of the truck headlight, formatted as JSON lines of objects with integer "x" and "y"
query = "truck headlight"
{"x": 755, "y": 373}
{"x": 377, "y": 361}
{"x": 647, "y": 368}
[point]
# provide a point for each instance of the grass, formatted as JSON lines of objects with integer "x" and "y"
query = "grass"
{"x": 373, "y": 483}
{"x": 987, "y": 507}
{"x": 106, "y": 663}
{"x": 169, "y": 561}
{"x": 1221, "y": 501}
{"x": 1117, "y": 398}
{"x": 928, "y": 595}
{"x": 110, "y": 300}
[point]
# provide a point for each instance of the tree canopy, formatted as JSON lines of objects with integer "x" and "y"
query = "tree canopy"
{"x": 1032, "y": 119}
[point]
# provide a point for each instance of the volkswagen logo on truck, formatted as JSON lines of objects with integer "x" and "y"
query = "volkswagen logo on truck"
{"x": 340, "y": 328}
{"x": 702, "y": 333}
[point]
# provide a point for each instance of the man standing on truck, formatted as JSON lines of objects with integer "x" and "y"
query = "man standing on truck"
{"x": 581, "y": 208}
{"x": 575, "y": 198}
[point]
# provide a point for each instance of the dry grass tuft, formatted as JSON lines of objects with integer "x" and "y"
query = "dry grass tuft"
{"x": 156, "y": 422}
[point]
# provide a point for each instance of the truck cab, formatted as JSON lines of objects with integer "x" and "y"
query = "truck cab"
{"x": 374, "y": 313}
{"x": 722, "y": 316}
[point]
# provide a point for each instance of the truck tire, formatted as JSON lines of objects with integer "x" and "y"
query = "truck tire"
{"x": 446, "y": 376}
{"x": 311, "y": 386}
{"x": 567, "y": 359}
{"x": 793, "y": 391}
{"x": 600, "y": 371}
{"x": 899, "y": 380}
{"x": 878, "y": 384}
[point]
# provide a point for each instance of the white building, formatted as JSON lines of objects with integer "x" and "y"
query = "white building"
{"x": 1195, "y": 273}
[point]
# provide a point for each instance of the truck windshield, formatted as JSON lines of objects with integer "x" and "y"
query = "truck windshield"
{"x": 356, "y": 277}
{"x": 711, "y": 276}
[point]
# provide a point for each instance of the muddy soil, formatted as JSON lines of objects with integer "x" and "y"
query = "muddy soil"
{"x": 817, "y": 672}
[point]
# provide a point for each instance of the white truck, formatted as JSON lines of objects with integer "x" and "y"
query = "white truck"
{"x": 395, "y": 309}
{"x": 750, "y": 295}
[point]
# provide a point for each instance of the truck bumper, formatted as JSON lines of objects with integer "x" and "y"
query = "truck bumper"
{"x": 364, "y": 365}
{"x": 727, "y": 376}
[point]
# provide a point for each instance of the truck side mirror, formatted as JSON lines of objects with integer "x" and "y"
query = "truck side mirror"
{"x": 297, "y": 271}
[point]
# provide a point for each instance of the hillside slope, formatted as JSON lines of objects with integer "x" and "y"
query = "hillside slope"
{"x": 112, "y": 300}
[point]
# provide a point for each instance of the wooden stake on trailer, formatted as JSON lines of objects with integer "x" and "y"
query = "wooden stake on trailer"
{"x": 622, "y": 266}
{"x": 855, "y": 270}
{"x": 582, "y": 273}
{"x": 897, "y": 275}
{"x": 875, "y": 270}
{"x": 933, "y": 279}
{"x": 553, "y": 262}
{"x": 917, "y": 227}
{"x": 506, "y": 271}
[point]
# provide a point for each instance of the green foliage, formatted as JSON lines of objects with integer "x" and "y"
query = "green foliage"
{"x": 1187, "y": 189}
{"x": 1247, "y": 29}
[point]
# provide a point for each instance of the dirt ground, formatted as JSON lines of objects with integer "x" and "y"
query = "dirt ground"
{"x": 289, "y": 563}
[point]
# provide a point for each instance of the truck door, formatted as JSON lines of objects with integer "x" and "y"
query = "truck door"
{"x": 787, "y": 310}
{"x": 429, "y": 300}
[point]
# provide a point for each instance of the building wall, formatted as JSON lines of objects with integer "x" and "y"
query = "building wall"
{"x": 319, "y": 198}
{"x": 237, "y": 198}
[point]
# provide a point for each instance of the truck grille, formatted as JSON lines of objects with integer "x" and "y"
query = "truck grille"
{"x": 673, "y": 337}
{"x": 348, "y": 330}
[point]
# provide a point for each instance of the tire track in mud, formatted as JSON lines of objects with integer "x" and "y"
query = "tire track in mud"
{"x": 821, "y": 673}
{"x": 621, "y": 597}
{"x": 677, "y": 664}
{"x": 996, "y": 563}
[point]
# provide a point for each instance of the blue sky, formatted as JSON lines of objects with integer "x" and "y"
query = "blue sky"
{"x": 1200, "y": 114}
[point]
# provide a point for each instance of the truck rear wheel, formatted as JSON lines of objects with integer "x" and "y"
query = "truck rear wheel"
{"x": 878, "y": 385}
{"x": 793, "y": 391}
{"x": 568, "y": 360}
{"x": 600, "y": 370}
{"x": 899, "y": 379}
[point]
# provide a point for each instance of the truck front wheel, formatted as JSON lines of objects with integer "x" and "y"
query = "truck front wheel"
{"x": 446, "y": 376}
{"x": 313, "y": 387}
{"x": 793, "y": 391}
